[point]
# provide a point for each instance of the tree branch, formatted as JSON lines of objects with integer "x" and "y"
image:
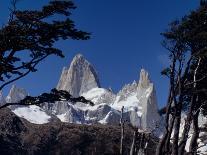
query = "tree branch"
{"x": 52, "y": 97}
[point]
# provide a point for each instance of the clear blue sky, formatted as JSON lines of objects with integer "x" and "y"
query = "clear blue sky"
{"x": 125, "y": 38}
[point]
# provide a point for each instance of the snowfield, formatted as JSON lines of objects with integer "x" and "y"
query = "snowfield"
{"x": 94, "y": 94}
{"x": 33, "y": 114}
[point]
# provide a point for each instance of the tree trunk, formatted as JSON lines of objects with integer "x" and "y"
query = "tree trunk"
{"x": 122, "y": 131}
{"x": 193, "y": 106}
{"x": 186, "y": 129}
{"x": 176, "y": 129}
{"x": 160, "y": 147}
{"x": 194, "y": 144}
{"x": 132, "y": 150}
{"x": 167, "y": 142}
{"x": 141, "y": 149}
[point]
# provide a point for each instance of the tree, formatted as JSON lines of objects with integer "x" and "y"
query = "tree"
{"x": 52, "y": 97}
{"x": 122, "y": 131}
{"x": 32, "y": 33}
{"x": 186, "y": 41}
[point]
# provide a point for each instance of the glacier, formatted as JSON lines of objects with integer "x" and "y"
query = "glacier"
{"x": 33, "y": 114}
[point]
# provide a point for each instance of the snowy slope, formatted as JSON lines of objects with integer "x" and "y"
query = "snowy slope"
{"x": 99, "y": 95}
{"x": 94, "y": 94}
{"x": 33, "y": 114}
{"x": 129, "y": 103}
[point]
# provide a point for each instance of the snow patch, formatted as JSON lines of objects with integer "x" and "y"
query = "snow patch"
{"x": 104, "y": 121}
{"x": 129, "y": 104}
{"x": 62, "y": 117}
{"x": 33, "y": 114}
{"x": 94, "y": 94}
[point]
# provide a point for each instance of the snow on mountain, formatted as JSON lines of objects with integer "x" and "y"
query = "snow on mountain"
{"x": 79, "y": 78}
{"x": 127, "y": 91}
{"x": 139, "y": 101}
{"x": 129, "y": 103}
{"x": 146, "y": 95}
{"x": 94, "y": 94}
{"x": 33, "y": 114}
{"x": 16, "y": 94}
{"x": 99, "y": 95}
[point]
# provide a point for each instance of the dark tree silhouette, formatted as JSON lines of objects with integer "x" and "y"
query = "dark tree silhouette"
{"x": 186, "y": 41}
{"x": 52, "y": 97}
{"x": 32, "y": 33}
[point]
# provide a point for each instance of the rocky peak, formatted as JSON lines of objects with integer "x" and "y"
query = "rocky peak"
{"x": 146, "y": 95}
{"x": 16, "y": 94}
{"x": 144, "y": 79}
{"x": 79, "y": 78}
{"x": 79, "y": 58}
{"x": 127, "y": 90}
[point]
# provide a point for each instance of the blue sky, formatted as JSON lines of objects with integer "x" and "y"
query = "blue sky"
{"x": 125, "y": 38}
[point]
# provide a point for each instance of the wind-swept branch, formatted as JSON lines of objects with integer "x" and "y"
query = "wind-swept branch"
{"x": 31, "y": 33}
{"x": 52, "y": 97}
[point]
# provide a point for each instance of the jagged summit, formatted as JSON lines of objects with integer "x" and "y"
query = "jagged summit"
{"x": 79, "y": 78}
{"x": 79, "y": 57}
{"x": 16, "y": 94}
{"x": 144, "y": 79}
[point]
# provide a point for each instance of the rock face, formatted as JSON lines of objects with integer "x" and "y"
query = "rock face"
{"x": 79, "y": 78}
{"x": 127, "y": 91}
{"x": 147, "y": 97}
{"x": 16, "y": 94}
{"x": 140, "y": 102}
{"x": 138, "y": 98}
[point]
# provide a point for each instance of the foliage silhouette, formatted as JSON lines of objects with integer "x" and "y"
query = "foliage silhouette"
{"x": 32, "y": 33}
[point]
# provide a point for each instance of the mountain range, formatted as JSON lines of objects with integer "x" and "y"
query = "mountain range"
{"x": 80, "y": 79}
{"x": 138, "y": 100}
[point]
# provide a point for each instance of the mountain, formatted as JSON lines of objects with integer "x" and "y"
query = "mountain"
{"x": 138, "y": 98}
{"x": 79, "y": 78}
{"x": 19, "y": 136}
{"x": 146, "y": 94}
{"x": 16, "y": 94}
{"x": 32, "y": 113}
